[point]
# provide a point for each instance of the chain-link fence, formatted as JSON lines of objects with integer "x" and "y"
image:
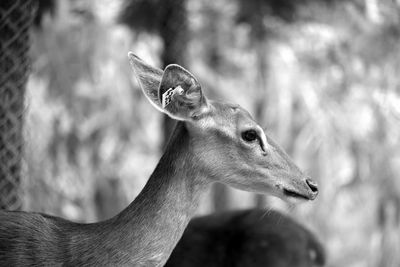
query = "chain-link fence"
{"x": 15, "y": 20}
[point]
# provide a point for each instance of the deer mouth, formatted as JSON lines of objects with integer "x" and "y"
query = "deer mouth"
{"x": 293, "y": 194}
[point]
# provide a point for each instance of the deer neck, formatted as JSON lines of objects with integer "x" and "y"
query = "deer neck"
{"x": 153, "y": 223}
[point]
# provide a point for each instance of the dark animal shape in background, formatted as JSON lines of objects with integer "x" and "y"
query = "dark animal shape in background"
{"x": 250, "y": 238}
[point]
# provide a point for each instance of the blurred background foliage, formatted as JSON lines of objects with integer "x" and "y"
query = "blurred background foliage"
{"x": 321, "y": 76}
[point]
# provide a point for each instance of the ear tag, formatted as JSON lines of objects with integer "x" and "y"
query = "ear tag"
{"x": 169, "y": 94}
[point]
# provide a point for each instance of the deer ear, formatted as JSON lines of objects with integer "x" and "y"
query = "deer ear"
{"x": 180, "y": 94}
{"x": 149, "y": 79}
{"x": 174, "y": 91}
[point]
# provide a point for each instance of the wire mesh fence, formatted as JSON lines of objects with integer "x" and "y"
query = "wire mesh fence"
{"x": 15, "y": 20}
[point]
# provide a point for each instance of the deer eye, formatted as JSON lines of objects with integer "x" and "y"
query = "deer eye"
{"x": 250, "y": 136}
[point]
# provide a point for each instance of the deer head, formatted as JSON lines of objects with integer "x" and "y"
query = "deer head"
{"x": 230, "y": 146}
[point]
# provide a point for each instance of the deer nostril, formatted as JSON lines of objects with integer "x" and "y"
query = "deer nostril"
{"x": 313, "y": 186}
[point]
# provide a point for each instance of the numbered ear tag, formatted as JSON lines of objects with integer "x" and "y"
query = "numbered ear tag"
{"x": 168, "y": 95}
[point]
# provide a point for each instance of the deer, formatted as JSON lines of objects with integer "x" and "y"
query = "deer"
{"x": 247, "y": 238}
{"x": 213, "y": 141}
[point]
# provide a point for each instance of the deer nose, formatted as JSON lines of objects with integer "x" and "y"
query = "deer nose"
{"x": 313, "y": 186}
